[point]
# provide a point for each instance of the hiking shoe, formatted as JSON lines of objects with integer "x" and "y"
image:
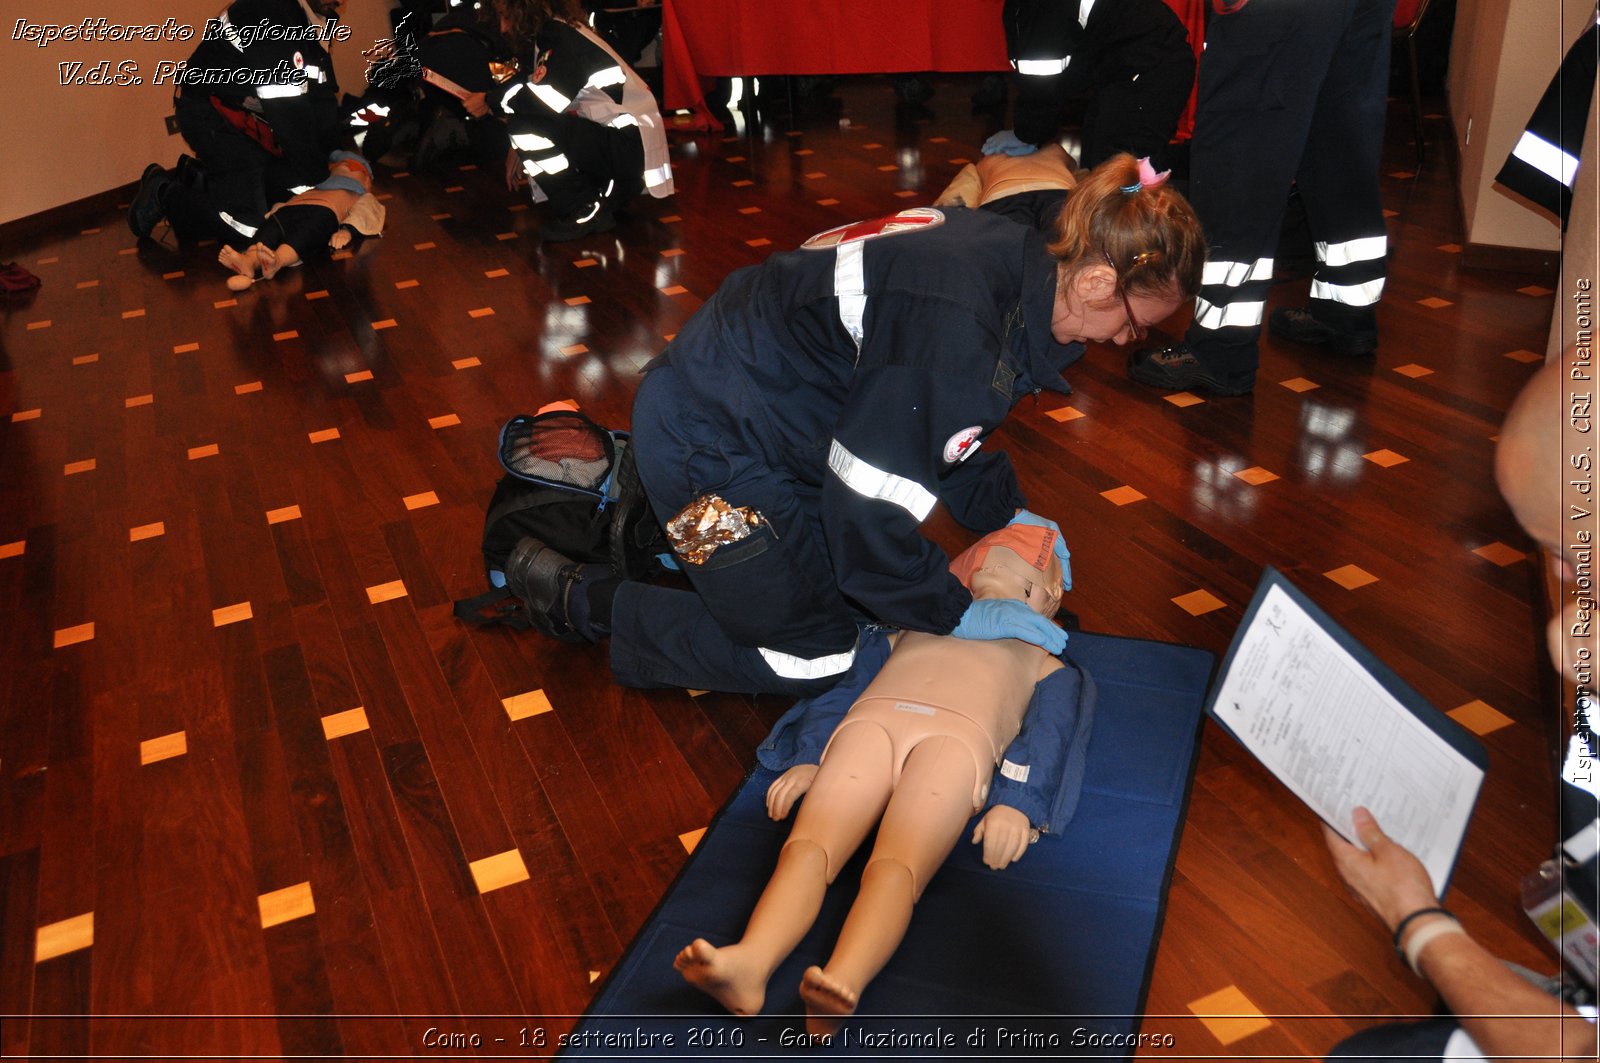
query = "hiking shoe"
{"x": 543, "y": 578}
{"x": 1177, "y": 369}
{"x": 560, "y": 230}
{"x": 1300, "y": 326}
{"x": 147, "y": 208}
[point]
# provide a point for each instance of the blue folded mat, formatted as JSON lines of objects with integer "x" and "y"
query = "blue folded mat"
{"x": 1050, "y": 956}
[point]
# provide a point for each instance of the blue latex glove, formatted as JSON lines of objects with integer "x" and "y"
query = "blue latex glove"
{"x": 1007, "y": 618}
{"x": 1062, "y": 554}
{"x": 1006, "y": 142}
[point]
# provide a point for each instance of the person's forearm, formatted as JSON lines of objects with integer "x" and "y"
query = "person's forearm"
{"x": 1480, "y": 990}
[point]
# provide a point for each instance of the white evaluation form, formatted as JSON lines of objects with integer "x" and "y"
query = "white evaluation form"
{"x": 1339, "y": 736}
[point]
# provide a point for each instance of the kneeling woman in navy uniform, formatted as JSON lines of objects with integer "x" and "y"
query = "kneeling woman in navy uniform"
{"x": 806, "y": 420}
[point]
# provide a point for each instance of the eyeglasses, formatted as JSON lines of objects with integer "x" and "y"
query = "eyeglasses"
{"x": 1136, "y": 331}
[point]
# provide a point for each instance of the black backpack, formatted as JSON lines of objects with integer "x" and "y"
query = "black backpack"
{"x": 571, "y": 484}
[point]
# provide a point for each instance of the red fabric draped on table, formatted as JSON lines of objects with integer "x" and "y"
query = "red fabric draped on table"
{"x": 730, "y": 38}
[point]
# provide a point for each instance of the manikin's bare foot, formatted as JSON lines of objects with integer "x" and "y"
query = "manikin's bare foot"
{"x": 268, "y": 261}
{"x": 243, "y": 264}
{"x": 719, "y": 973}
{"x": 340, "y": 239}
{"x": 828, "y": 1003}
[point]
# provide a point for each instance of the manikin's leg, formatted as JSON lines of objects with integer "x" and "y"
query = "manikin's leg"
{"x": 847, "y": 797}
{"x": 924, "y": 820}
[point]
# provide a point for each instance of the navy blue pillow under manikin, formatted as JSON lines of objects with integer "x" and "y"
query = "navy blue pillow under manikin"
{"x": 1052, "y": 954}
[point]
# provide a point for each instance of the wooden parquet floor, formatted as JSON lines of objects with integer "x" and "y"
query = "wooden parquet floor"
{"x": 262, "y": 796}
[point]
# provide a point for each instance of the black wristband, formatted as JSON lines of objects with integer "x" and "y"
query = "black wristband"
{"x": 1401, "y": 929}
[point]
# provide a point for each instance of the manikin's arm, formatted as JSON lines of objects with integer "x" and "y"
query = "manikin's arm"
{"x": 1478, "y": 988}
{"x": 1041, "y": 773}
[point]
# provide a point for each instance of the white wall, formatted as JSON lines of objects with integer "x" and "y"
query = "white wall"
{"x": 61, "y": 143}
{"x": 1502, "y": 58}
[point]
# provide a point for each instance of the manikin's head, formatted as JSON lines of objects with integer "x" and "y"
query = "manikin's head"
{"x": 1017, "y": 561}
{"x": 1544, "y": 444}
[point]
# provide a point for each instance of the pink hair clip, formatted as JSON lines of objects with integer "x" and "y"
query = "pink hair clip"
{"x": 1148, "y": 178}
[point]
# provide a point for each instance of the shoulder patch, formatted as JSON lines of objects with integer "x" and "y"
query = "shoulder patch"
{"x": 960, "y": 446}
{"x": 914, "y": 219}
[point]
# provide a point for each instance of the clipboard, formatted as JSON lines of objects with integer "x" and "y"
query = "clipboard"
{"x": 1339, "y": 728}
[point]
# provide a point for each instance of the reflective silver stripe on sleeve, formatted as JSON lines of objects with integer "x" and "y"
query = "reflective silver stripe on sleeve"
{"x": 531, "y": 142}
{"x": 850, "y": 285}
{"x": 1233, "y": 315}
{"x": 611, "y": 75}
{"x": 1233, "y": 274}
{"x": 791, "y": 667}
{"x": 1365, "y": 249}
{"x": 1365, "y": 294}
{"x": 237, "y": 226}
{"x": 280, "y": 92}
{"x": 872, "y": 482}
{"x": 551, "y": 98}
{"x": 505, "y": 101}
{"x": 658, "y": 175}
{"x": 1041, "y": 68}
{"x": 623, "y": 121}
{"x": 1547, "y": 158}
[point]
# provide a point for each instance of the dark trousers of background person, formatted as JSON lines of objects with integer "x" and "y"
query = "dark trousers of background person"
{"x": 1289, "y": 93}
{"x": 239, "y": 177}
{"x": 773, "y": 591}
{"x": 1138, "y": 115}
{"x": 597, "y": 157}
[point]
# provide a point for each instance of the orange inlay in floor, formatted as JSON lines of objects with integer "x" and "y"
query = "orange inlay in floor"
{"x": 577, "y": 300}
{"x": 891, "y": 168}
{"x": 1391, "y": 213}
{"x": 827, "y": 202}
{"x": 360, "y": 376}
{"x": 32, "y": 325}
{"x": 421, "y": 501}
{"x": 691, "y": 839}
{"x": 1500, "y": 554}
{"x": 86, "y": 359}
{"x": 58, "y": 939}
{"x": 502, "y": 869}
{"x": 245, "y": 389}
{"x": 278, "y": 516}
{"x": 426, "y": 245}
{"x": 743, "y": 183}
{"x": 185, "y": 348}
{"x": 443, "y": 216}
{"x": 166, "y": 747}
{"x": 749, "y": 210}
{"x": 27, "y": 415}
{"x": 223, "y": 304}
{"x": 1388, "y": 459}
{"x": 452, "y": 189}
{"x": 938, "y": 140}
{"x": 89, "y": 232}
{"x": 1480, "y": 717}
{"x": 210, "y": 450}
{"x": 1413, "y": 370}
{"x": 52, "y": 260}
{"x": 959, "y": 162}
{"x": 147, "y": 531}
{"x": 905, "y": 193}
{"x": 1183, "y": 399}
{"x": 1351, "y": 577}
{"x": 869, "y": 147}
{"x": 129, "y": 315}
{"x": 386, "y": 592}
{"x": 1122, "y": 496}
{"x": 1433, "y": 302}
{"x": 1198, "y": 603}
{"x": 231, "y": 614}
{"x": 1065, "y": 414}
{"x": 670, "y": 336}
{"x": 672, "y": 252}
{"x": 323, "y": 436}
{"x": 444, "y": 421}
{"x": 135, "y": 250}
{"x": 289, "y": 903}
{"x": 815, "y": 175}
{"x": 466, "y": 363}
{"x": 516, "y": 208}
{"x": 88, "y": 284}
{"x": 1229, "y": 1015}
{"x": 288, "y": 334}
{"x": 530, "y": 703}
{"x": 1256, "y": 476}
{"x": 1450, "y": 249}
{"x": 482, "y": 311}
{"x": 492, "y": 274}
{"x": 585, "y": 263}
{"x": 671, "y": 219}
{"x": 674, "y": 289}
{"x": 72, "y": 468}
{"x": 1402, "y": 175}
{"x": 760, "y": 241}
{"x": 506, "y": 236}
{"x": 1524, "y": 356}
{"x": 174, "y": 275}
{"x": 15, "y": 549}
{"x": 696, "y": 693}
{"x": 348, "y": 722}
{"x": 321, "y": 293}
{"x": 71, "y": 636}
{"x": 576, "y": 348}
{"x": 1535, "y": 290}
{"x": 801, "y": 151}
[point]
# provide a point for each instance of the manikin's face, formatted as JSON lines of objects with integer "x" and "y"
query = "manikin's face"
{"x": 1006, "y": 575}
{"x": 1088, "y": 308}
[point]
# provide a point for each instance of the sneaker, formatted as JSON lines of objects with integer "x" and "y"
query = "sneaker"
{"x": 1301, "y": 326}
{"x": 146, "y": 208}
{"x": 560, "y": 230}
{"x": 1177, "y": 369}
{"x": 543, "y": 578}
